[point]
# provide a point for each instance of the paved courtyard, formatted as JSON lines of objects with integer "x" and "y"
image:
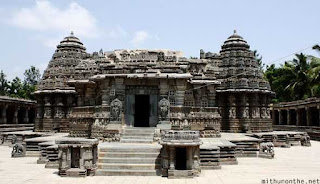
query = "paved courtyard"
{"x": 293, "y": 163}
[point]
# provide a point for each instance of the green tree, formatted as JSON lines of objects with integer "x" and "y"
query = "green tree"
{"x": 32, "y": 76}
{"x": 31, "y": 79}
{"x": 16, "y": 88}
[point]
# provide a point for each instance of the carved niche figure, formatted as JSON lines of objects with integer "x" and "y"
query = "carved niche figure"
{"x": 18, "y": 150}
{"x": 116, "y": 108}
{"x": 47, "y": 112}
{"x": 164, "y": 109}
{"x": 246, "y": 112}
{"x": 232, "y": 112}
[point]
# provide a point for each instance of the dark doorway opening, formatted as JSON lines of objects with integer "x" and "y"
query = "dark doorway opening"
{"x": 75, "y": 157}
{"x": 142, "y": 111}
{"x": 181, "y": 158}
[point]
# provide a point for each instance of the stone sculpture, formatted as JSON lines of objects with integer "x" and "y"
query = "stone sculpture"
{"x": 164, "y": 109}
{"x": 305, "y": 140}
{"x": 18, "y": 150}
{"x": 116, "y": 109}
{"x": 266, "y": 150}
{"x": 14, "y": 139}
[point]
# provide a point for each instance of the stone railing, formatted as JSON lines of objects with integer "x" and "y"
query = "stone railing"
{"x": 188, "y": 138}
{"x": 195, "y": 118}
{"x": 180, "y": 135}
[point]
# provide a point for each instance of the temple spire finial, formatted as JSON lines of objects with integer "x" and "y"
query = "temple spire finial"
{"x": 71, "y": 34}
{"x": 234, "y": 31}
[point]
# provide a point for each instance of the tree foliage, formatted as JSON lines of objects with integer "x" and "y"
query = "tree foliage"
{"x": 296, "y": 79}
{"x": 18, "y": 88}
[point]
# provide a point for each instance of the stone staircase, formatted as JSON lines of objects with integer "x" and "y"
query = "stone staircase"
{"x": 137, "y": 135}
{"x": 129, "y": 159}
{"x": 135, "y": 155}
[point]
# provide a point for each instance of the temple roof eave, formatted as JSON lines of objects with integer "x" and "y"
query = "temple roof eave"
{"x": 47, "y": 91}
{"x": 144, "y": 75}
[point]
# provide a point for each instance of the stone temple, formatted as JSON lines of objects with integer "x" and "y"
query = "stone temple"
{"x": 149, "y": 112}
{"x": 100, "y": 94}
{"x": 153, "y": 112}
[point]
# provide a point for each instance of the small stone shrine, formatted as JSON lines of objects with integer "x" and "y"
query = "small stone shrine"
{"x": 180, "y": 153}
{"x": 77, "y": 156}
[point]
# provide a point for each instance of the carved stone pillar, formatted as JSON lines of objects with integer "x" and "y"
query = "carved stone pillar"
{"x": 15, "y": 119}
{"x": 212, "y": 96}
{"x": 274, "y": 116}
{"x": 26, "y": 115}
{"x": 288, "y": 117}
{"x": 298, "y": 117}
{"x": 105, "y": 92}
{"x": 4, "y": 114}
{"x": 181, "y": 88}
{"x": 308, "y": 115}
{"x": 172, "y": 153}
{"x": 232, "y": 106}
{"x": 280, "y": 117}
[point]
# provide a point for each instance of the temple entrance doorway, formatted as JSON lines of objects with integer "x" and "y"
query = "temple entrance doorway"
{"x": 142, "y": 111}
{"x": 75, "y": 157}
{"x": 181, "y": 158}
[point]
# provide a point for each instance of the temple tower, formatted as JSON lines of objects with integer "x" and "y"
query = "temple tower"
{"x": 55, "y": 98}
{"x": 244, "y": 95}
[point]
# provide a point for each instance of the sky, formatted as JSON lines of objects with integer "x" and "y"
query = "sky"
{"x": 31, "y": 29}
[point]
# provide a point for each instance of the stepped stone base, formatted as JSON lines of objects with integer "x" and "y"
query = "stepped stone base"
{"x": 134, "y": 155}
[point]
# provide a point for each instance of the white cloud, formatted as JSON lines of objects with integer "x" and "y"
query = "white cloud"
{"x": 45, "y": 17}
{"x": 117, "y": 32}
{"x": 140, "y": 37}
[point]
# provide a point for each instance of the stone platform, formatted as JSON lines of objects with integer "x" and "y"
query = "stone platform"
{"x": 294, "y": 163}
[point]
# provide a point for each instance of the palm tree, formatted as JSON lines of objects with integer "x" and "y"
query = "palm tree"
{"x": 298, "y": 72}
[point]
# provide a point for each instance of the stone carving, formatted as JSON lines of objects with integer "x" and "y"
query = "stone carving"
{"x": 47, "y": 112}
{"x": 116, "y": 109}
{"x": 18, "y": 150}
{"x": 14, "y": 139}
{"x": 246, "y": 113}
{"x": 164, "y": 109}
{"x": 305, "y": 140}
{"x": 266, "y": 150}
{"x": 1, "y": 139}
{"x": 232, "y": 112}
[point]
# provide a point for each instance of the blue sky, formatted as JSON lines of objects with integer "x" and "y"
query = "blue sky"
{"x": 30, "y": 29}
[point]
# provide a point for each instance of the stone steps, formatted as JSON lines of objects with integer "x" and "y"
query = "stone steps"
{"x": 130, "y": 155}
{"x": 110, "y": 172}
{"x": 137, "y": 135}
{"x": 128, "y": 166}
{"x": 129, "y": 160}
{"x": 141, "y": 140}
